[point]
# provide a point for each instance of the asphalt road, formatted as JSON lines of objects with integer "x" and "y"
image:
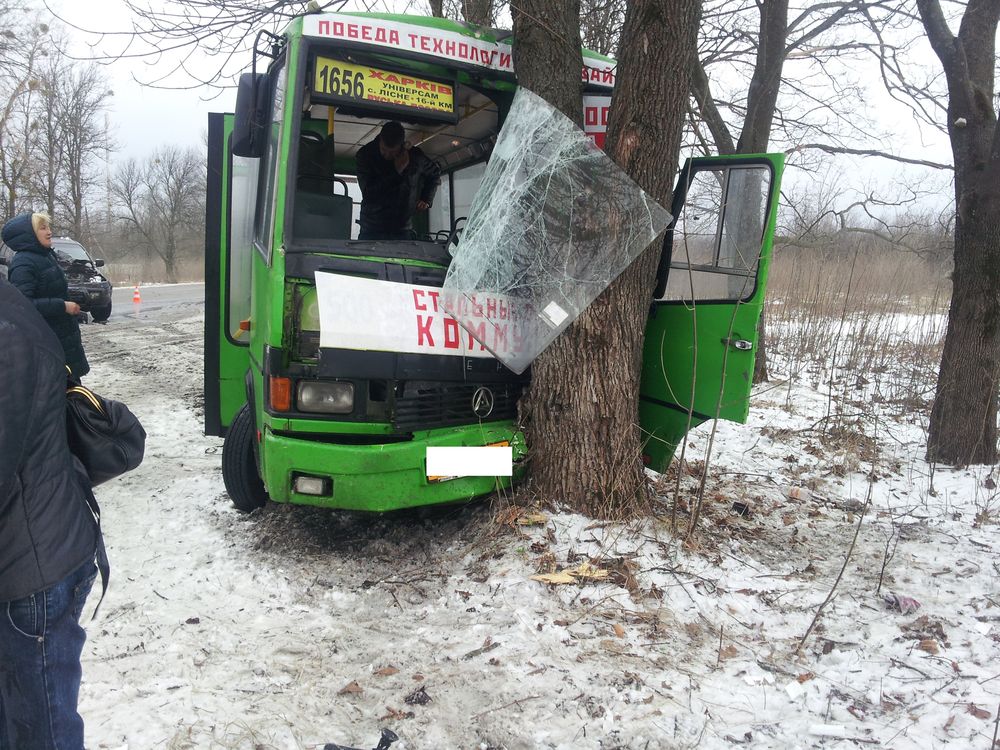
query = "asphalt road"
{"x": 156, "y": 302}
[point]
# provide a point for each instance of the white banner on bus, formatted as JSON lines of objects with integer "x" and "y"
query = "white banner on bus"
{"x": 387, "y": 316}
{"x": 428, "y": 40}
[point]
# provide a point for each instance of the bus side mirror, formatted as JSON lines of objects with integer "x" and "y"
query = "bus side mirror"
{"x": 249, "y": 131}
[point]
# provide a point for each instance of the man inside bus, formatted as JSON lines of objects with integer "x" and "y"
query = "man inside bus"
{"x": 396, "y": 181}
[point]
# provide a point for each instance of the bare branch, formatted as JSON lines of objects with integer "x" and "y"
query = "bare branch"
{"x": 827, "y": 148}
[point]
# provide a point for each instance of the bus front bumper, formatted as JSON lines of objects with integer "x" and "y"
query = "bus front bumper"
{"x": 382, "y": 477}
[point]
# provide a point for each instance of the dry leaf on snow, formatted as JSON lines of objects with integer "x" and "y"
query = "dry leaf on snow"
{"x": 979, "y": 713}
{"x": 351, "y": 688}
{"x": 929, "y": 645}
{"x": 584, "y": 571}
{"x": 728, "y": 652}
{"x": 557, "y": 578}
{"x": 588, "y": 571}
{"x": 386, "y": 671}
{"x": 418, "y": 697}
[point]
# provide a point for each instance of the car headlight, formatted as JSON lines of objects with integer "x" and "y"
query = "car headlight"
{"x": 326, "y": 397}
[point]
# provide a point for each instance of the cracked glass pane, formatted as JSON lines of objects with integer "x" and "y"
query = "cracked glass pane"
{"x": 552, "y": 225}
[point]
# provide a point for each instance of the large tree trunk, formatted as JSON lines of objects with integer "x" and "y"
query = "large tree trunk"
{"x": 479, "y": 12}
{"x": 762, "y": 99}
{"x": 962, "y": 427}
{"x": 963, "y": 424}
{"x": 547, "y": 57}
{"x": 581, "y": 411}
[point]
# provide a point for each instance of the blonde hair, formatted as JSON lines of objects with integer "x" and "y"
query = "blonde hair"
{"x": 40, "y": 219}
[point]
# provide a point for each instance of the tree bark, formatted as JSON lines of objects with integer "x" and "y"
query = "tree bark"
{"x": 479, "y": 12}
{"x": 547, "y": 57}
{"x": 581, "y": 411}
{"x": 762, "y": 95}
{"x": 962, "y": 427}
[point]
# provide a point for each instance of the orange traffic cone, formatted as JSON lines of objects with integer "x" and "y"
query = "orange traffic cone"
{"x": 135, "y": 296}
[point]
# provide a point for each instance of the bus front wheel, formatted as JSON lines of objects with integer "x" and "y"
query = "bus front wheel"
{"x": 239, "y": 464}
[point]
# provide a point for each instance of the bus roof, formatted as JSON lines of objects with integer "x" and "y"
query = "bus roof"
{"x": 461, "y": 44}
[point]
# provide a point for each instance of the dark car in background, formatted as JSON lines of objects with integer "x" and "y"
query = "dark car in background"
{"x": 88, "y": 287}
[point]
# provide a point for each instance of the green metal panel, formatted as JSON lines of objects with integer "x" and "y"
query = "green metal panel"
{"x": 692, "y": 371}
{"x": 226, "y": 357}
{"x": 382, "y": 477}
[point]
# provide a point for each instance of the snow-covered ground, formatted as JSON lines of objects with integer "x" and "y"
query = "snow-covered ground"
{"x": 296, "y": 627}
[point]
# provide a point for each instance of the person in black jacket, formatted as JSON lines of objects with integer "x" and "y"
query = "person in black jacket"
{"x": 396, "y": 181}
{"x": 50, "y": 538}
{"x": 36, "y": 272}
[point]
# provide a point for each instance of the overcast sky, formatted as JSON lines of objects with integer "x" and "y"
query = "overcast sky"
{"x": 142, "y": 117}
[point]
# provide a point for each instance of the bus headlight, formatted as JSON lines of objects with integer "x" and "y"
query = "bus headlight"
{"x": 326, "y": 397}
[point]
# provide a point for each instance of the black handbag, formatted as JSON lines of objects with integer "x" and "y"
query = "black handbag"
{"x": 106, "y": 437}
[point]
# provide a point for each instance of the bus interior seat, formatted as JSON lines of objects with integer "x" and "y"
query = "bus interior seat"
{"x": 319, "y": 213}
{"x": 322, "y": 215}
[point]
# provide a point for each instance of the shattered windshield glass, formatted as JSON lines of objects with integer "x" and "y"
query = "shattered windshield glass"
{"x": 553, "y": 224}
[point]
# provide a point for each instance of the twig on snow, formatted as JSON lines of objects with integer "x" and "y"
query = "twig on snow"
{"x": 904, "y": 665}
{"x": 518, "y": 702}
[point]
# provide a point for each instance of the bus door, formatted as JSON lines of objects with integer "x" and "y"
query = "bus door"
{"x": 230, "y": 197}
{"x": 701, "y": 336}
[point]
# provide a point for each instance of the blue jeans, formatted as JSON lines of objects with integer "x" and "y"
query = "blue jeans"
{"x": 40, "y": 646}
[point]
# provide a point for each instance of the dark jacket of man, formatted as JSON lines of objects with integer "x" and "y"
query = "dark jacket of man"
{"x": 47, "y": 529}
{"x": 36, "y": 272}
{"x": 388, "y": 198}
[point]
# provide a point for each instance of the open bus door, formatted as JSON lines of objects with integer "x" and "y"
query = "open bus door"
{"x": 230, "y": 195}
{"x": 701, "y": 337}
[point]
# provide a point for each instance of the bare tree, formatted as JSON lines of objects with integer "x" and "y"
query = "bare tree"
{"x": 161, "y": 203}
{"x": 178, "y": 31}
{"x": 479, "y": 12}
{"x": 761, "y": 37}
{"x": 82, "y": 96}
{"x": 21, "y": 51}
{"x": 601, "y": 25}
{"x": 963, "y": 424}
{"x": 48, "y": 142}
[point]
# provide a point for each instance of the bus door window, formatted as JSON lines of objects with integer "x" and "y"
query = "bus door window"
{"x": 717, "y": 236}
{"x": 267, "y": 196}
{"x": 243, "y": 186}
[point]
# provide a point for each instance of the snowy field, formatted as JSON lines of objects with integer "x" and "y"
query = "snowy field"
{"x": 295, "y": 627}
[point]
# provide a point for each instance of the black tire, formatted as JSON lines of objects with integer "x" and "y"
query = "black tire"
{"x": 100, "y": 314}
{"x": 239, "y": 464}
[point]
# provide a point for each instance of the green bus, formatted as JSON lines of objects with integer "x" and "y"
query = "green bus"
{"x": 349, "y": 425}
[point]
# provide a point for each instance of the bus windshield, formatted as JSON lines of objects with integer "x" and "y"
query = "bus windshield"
{"x": 453, "y": 124}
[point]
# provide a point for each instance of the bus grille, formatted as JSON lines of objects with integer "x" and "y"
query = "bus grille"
{"x": 427, "y": 405}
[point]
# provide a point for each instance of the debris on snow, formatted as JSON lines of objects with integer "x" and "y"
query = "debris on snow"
{"x": 904, "y": 604}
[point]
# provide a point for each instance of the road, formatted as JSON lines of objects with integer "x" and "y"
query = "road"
{"x": 155, "y": 301}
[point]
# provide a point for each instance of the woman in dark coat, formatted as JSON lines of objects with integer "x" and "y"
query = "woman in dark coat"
{"x": 35, "y": 271}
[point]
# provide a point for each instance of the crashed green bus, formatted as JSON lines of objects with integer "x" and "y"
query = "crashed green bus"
{"x": 347, "y": 423}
